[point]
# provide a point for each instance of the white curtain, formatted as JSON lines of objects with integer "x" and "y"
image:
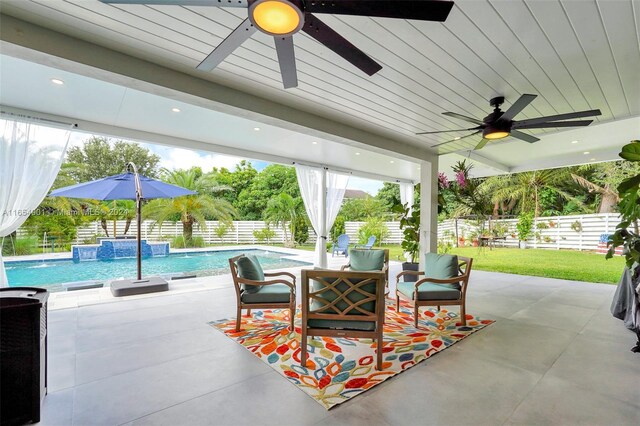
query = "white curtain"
{"x": 336, "y": 187}
{"x": 322, "y": 192}
{"x": 406, "y": 194}
{"x": 30, "y": 158}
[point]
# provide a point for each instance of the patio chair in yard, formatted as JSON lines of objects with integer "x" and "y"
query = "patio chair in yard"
{"x": 369, "y": 245}
{"x": 255, "y": 291}
{"x": 445, "y": 283}
{"x": 365, "y": 260}
{"x": 342, "y": 304}
{"x": 341, "y": 246}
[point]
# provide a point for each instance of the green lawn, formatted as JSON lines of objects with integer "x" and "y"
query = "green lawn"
{"x": 563, "y": 264}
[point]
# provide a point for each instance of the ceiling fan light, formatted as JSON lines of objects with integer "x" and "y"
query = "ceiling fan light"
{"x": 496, "y": 134}
{"x": 495, "y": 131}
{"x": 276, "y": 17}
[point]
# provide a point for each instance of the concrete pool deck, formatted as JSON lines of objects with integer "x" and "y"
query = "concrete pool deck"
{"x": 554, "y": 356}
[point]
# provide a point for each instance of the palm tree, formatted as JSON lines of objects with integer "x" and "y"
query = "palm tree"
{"x": 603, "y": 179}
{"x": 524, "y": 188}
{"x": 284, "y": 209}
{"x": 190, "y": 209}
{"x": 125, "y": 209}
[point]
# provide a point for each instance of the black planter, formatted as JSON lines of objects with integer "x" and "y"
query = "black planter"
{"x": 410, "y": 266}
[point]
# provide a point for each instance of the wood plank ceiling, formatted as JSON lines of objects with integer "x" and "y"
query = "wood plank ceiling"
{"x": 575, "y": 55}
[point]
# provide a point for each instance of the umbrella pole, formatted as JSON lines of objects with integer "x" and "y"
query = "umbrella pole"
{"x": 138, "y": 216}
{"x": 139, "y": 223}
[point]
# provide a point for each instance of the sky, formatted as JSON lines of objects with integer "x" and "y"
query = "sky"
{"x": 180, "y": 158}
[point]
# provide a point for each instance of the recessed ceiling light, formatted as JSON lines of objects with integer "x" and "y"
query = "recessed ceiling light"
{"x": 257, "y": 129}
{"x": 175, "y": 109}
{"x": 457, "y": 138}
{"x": 357, "y": 153}
{"x": 57, "y": 81}
{"x": 586, "y": 153}
{"x": 391, "y": 161}
{"x": 574, "y": 141}
{"x": 314, "y": 142}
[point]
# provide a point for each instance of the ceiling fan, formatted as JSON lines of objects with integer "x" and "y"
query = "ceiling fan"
{"x": 283, "y": 18}
{"x": 499, "y": 124}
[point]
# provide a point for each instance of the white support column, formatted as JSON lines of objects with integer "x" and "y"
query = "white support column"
{"x": 428, "y": 208}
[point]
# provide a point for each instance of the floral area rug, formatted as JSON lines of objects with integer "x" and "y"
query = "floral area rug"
{"x": 340, "y": 368}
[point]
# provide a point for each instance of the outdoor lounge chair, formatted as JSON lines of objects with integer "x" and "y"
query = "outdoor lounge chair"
{"x": 253, "y": 291}
{"x": 370, "y": 242}
{"x": 342, "y": 304}
{"x": 445, "y": 283}
{"x": 341, "y": 246}
{"x": 364, "y": 260}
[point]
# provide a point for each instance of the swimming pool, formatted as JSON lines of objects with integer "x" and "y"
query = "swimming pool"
{"x": 53, "y": 273}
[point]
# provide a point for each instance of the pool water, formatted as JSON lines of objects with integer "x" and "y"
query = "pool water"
{"x": 52, "y": 273}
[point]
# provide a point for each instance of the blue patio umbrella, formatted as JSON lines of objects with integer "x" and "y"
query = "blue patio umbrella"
{"x": 125, "y": 186}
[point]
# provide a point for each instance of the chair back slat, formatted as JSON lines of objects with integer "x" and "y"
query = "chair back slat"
{"x": 234, "y": 273}
{"x": 343, "y": 295}
{"x": 343, "y": 241}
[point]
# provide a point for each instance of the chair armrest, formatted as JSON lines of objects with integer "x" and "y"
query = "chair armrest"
{"x": 276, "y": 274}
{"x": 439, "y": 281}
{"x": 270, "y": 282}
{"x": 408, "y": 273}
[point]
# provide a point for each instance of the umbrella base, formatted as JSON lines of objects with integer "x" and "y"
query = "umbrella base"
{"x": 132, "y": 287}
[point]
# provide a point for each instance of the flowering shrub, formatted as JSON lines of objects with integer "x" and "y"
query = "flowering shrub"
{"x": 470, "y": 200}
{"x": 443, "y": 181}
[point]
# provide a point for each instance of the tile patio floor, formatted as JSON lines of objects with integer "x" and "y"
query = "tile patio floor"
{"x": 554, "y": 356}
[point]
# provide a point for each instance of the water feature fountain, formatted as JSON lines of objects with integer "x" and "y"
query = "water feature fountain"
{"x": 118, "y": 249}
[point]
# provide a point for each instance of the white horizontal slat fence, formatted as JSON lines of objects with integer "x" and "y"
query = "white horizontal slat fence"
{"x": 581, "y": 232}
{"x": 394, "y": 237}
{"x": 240, "y": 232}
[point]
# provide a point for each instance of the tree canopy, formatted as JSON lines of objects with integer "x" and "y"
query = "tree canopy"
{"x": 98, "y": 158}
{"x": 269, "y": 183}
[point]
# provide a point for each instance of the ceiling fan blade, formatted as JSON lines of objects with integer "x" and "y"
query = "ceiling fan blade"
{"x": 455, "y": 140}
{"x": 287, "y": 61}
{"x": 523, "y": 136}
{"x": 423, "y": 10}
{"x": 576, "y": 123}
{"x": 463, "y": 117}
{"x": 567, "y": 116}
{"x": 481, "y": 145}
{"x": 234, "y": 3}
{"x": 228, "y": 45}
{"x": 334, "y": 41}
{"x": 447, "y": 131}
{"x": 517, "y": 106}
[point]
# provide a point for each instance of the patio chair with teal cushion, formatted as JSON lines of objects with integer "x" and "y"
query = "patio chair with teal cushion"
{"x": 364, "y": 260}
{"x": 445, "y": 283}
{"x": 342, "y": 304}
{"x": 254, "y": 291}
{"x": 341, "y": 246}
{"x": 369, "y": 245}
